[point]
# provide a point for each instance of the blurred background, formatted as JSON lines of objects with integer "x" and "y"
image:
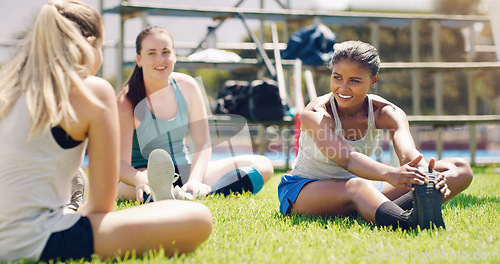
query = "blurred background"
{"x": 471, "y": 41}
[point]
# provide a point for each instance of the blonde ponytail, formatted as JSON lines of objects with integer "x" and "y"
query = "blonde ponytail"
{"x": 53, "y": 60}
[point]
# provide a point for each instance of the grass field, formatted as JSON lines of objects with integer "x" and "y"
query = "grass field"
{"x": 249, "y": 229}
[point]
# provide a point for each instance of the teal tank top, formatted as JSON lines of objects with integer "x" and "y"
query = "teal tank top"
{"x": 155, "y": 133}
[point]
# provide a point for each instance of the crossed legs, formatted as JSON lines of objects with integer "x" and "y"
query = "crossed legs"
{"x": 177, "y": 226}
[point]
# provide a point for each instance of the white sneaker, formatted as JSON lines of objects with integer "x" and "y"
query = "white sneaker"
{"x": 161, "y": 173}
{"x": 79, "y": 190}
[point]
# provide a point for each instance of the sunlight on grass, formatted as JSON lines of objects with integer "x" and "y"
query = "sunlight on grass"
{"x": 249, "y": 229}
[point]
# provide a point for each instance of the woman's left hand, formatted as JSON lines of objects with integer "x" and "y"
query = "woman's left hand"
{"x": 198, "y": 189}
{"x": 440, "y": 181}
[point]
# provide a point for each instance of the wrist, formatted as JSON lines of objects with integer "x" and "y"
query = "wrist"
{"x": 390, "y": 171}
{"x": 140, "y": 178}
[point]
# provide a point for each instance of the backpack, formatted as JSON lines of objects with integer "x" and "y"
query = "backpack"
{"x": 258, "y": 101}
{"x": 229, "y": 96}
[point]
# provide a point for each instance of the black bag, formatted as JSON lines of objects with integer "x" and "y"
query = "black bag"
{"x": 230, "y": 95}
{"x": 259, "y": 102}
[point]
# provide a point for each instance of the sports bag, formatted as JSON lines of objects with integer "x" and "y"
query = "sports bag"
{"x": 259, "y": 101}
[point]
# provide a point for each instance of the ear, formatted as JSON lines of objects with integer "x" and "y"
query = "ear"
{"x": 138, "y": 60}
{"x": 374, "y": 81}
{"x": 91, "y": 41}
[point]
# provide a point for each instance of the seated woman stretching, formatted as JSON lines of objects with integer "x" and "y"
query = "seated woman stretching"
{"x": 159, "y": 108}
{"x": 49, "y": 86}
{"x": 334, "y": 175}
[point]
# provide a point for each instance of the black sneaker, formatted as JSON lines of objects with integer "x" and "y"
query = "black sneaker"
{"x": 427, "y": 203}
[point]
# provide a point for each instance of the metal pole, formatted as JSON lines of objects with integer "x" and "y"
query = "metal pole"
{"x": 415, "y": 74}
{"x": 120, "y": 73}
{"x": 438, "y": 85}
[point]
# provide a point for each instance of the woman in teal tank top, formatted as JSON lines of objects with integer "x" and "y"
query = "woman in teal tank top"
{"x": 158, "y": 109}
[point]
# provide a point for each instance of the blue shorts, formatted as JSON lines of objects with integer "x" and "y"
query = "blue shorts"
{"x": 74, "y": 243}
{"x": 290, "y": 187}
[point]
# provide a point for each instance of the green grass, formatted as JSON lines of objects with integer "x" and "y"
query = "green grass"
{"x": 249, "y": 229}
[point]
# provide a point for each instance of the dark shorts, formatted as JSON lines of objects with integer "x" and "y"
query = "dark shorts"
{"x": 74, "y": 243}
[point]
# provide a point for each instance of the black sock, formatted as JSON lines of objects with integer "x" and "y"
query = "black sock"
{"x": 405, "y": 201}
{"x": 239, "y": 186}
{"x": 389, "y": 214}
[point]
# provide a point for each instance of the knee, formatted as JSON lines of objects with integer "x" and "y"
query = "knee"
{"x": 201, "y": 225}
{"x": 358, "y": 186}
{"x": 463, "y": 170}
{"x": 265, "y": 167}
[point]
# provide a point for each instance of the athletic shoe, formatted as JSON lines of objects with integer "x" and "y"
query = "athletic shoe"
{"x": 427, "y": 201}
{"x": 161, "y": 173}
{"x": 79, "y": 190}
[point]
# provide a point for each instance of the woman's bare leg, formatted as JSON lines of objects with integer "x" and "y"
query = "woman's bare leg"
{"x": 177, "y": 226}
{"x": 336, "y": 197}
{"x": 458, "y": 174}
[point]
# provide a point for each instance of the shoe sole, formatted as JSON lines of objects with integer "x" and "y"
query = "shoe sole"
{"x": 161, "y": 175}
{"x": 428, "y": 202}
{"x": 85, "y": 192}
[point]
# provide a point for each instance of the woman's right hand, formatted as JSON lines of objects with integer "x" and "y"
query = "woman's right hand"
{"x": 141, "y": 186}
{"x": 406, "y": 175}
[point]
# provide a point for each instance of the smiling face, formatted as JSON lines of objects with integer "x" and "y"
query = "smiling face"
{"x": 350, "y": 82}
{"x": 157, "y": 57}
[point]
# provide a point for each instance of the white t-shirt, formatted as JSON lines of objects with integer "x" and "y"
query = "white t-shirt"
{"x": 35, "y": 186}
{"x": 312, "y": 163}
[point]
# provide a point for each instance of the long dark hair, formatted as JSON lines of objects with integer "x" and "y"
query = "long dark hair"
{"x": 134, "y": 88}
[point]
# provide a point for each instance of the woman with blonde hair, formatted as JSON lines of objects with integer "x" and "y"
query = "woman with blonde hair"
{"x": 51, "y": 109}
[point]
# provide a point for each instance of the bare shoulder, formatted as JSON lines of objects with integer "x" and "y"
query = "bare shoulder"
{"x": 124, "y": 104}
{"x": 100, "y": 87}
{"x": 387, "y": 115}
{"x": 317, "y": 111}
{"x": 318, "y": 104}
{"x": 94, "y": 104}
{"x": 189, "y": 88}
{"x": 184, "y": 81}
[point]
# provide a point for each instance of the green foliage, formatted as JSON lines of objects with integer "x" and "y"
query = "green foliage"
{"x": 249, "y": 229}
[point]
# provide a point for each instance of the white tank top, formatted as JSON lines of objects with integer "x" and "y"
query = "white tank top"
{"x": 35, "y": 187}
{"x": 312, "y": 163}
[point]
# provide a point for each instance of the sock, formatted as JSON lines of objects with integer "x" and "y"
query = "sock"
{"x": 242, "y": 179}
{"x": 405, "y": 201}
{"x": 389, "y": 214}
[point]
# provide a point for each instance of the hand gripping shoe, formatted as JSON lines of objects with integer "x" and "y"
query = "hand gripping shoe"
{"x": 427, "y": 202}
